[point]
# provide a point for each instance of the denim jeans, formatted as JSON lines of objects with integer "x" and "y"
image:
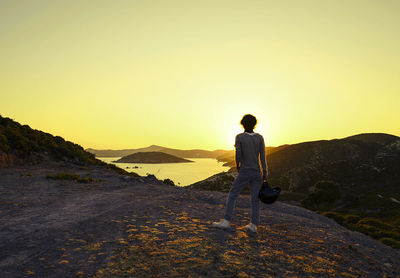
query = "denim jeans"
{"x": 244, "y": 177}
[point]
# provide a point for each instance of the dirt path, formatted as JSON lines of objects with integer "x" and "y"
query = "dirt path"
{"x": 119, "y": 226}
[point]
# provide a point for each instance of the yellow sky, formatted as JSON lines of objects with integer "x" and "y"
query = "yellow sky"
{"x": 126, "y": 74}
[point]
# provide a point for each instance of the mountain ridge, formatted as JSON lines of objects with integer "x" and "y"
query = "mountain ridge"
{"x": 363, "y": 170}
{"x": 192, "y": 153}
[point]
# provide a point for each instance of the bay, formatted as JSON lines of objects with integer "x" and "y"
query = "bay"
{"x": 182, "y": 174}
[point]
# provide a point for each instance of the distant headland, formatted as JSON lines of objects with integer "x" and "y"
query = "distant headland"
{"x": 152, "y": 157}
{"x": 193, "y": 153}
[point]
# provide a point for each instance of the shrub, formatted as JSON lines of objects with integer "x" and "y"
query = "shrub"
{"x": 63, "y": 176}
{"x": 382, "y": 233}
{"x": 24, "y": 141}
{"x": 335, "y": 216}
{"x": 3, "y": 141}
{"x": 366, "y": 229}
{"x": 351, "y": 219}
{"x": 391, "y": 242}
{"x": 71, "y": 176}
{"x": 85, "y": 180}
{"x": 325, "y": 193}
{"x": 169, "y": 181}
{"x": 376, "y": 223}
{"x": 119, "y": 170}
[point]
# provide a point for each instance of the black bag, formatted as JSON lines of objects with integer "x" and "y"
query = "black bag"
{"x": 267, "y": 194}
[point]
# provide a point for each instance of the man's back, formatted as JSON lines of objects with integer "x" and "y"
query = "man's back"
{"x": 250, "y": 149}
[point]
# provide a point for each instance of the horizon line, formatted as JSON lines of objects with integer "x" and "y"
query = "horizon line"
{"x": 222, "y": 149}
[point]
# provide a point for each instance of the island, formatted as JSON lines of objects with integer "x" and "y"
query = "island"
{"x": 151, "y": 157}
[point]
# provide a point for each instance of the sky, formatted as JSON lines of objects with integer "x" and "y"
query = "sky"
{"x": 181, "y": 74}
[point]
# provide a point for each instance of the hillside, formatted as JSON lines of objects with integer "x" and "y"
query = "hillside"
{"x": 195, "y": 153}
{"x": 119, "y": 226}
{"x": 364, "y": 170}
{"x": 151, "y": 157}
{"x": 361, "y": 162}
{"x": 21, "y": 145}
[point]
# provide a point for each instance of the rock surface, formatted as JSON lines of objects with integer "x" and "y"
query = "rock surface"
{"x": 137, "y": 226}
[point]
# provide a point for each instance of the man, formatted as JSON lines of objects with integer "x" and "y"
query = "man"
{"x": 250, "y": 151}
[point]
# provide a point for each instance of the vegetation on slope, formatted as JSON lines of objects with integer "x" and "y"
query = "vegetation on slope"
{"x": 376, "y": 217}
{"x": 219, "y": 182}
{"x": 70, "y": 176}
{"x": 26, "y": 143}
{"x": 21, "y": 144}
{"x": 342, "y": 178}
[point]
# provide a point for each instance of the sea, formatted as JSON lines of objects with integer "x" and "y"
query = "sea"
{"x": 182, "y": 174}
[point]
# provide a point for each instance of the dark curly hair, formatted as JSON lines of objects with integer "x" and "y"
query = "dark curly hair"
{"x": 248, "y": 122}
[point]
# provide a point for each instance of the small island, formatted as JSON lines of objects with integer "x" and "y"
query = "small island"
{"x": 151, "y": 157}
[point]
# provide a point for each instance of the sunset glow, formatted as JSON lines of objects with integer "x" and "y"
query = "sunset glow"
{"x": 127, "y": 74}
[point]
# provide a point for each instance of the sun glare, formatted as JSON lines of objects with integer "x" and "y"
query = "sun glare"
{"x": 181, "y": 76}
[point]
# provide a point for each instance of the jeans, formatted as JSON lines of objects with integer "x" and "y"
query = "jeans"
{"x": 245, "y": 176}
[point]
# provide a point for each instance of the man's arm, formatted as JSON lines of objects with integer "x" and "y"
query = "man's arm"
{"x": 238, "y": 153}
{"x": 262, "y": 158}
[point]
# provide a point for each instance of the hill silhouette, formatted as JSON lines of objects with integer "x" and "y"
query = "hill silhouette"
{"x": 22, "y": 145}
{"x": 19, "y": 143}
{"x": 195, "y": 153}
{"x": 365, "y": 168}
{"x": 151, "y": 157}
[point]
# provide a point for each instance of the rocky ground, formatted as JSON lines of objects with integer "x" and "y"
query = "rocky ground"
{"x": 120, "y": 226}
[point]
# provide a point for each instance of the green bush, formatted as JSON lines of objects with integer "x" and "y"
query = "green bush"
{"x": 390, "y": 242}
{"x": 85, "y": 180}
{"x": 325, "y": 193}
{"x": 24, "y": 141}
{"x": 351, "y": 218}
{"x": 119, "y": 170}
{"x": 375, "y": 223}
{"x": 368, "y": 226}
{"x": 63, "y": 176}
{"x": 169, "y": 181}
{"x": 381, "y": 233}
{"x": 71, "y": 176}
{"x": 366, "y": 229}
{"x": 374, "y": 232}
{"x": 3, "y": 140}
{"x": 335, "y": 216}
{"x": 220, "y": 182}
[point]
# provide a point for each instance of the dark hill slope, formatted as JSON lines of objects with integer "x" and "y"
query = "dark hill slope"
{"x": 363, "y": 192}
{"x": 20, "y": 145}
{"x": 381, "y": 138}
{"x": 151, "y": 157}
{"x": 358, "y": 161}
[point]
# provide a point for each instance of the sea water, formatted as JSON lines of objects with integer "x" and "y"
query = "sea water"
{"x": 182, "y": 174}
